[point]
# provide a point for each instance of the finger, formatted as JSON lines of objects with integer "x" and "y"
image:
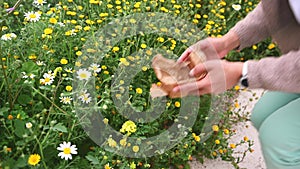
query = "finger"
{"x": 208, "y": 49}
{"x": 184, "y": 56}
{"x": 188, "y": 88}
{"x": 198, "y": 71}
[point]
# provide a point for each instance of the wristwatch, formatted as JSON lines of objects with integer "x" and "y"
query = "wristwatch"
{"x": 244, "y": 78}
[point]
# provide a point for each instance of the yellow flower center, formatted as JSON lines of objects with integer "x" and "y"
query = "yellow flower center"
{"x": 47, "y": 79}
{"x": 83, "y": 75}
{"x": 32, "y": 16}
{"x": 67, "y": 150}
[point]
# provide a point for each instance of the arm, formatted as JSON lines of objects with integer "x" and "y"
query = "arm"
{"x": 252, "y": 29}
{"x": 281, "y": 73}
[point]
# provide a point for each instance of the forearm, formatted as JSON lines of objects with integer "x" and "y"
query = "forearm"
{"x": 252, "y": 29}
{"x": 280, "y": 74}
{"x": 231, "y": 40}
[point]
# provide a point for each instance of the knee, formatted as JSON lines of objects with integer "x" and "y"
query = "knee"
{"x": 278, "y": 146}
{"x": 256, "y": 117}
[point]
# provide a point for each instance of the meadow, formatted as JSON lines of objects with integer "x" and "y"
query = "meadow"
{"x": 61, "y": 60}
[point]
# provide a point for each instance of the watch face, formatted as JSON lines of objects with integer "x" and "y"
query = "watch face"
{"x": 244, "y": 82}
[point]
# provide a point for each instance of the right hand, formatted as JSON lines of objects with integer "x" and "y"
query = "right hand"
{"x": 213, "y": 48}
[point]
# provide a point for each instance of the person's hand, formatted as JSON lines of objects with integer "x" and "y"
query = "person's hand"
{"x": 221, "y": 75}
{"x": 212, "y": 48}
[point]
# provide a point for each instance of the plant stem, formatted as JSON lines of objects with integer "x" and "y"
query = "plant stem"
{"x": 41, "y": 151}
{"x": 8, "y": 85}
{"x": 49, "y": 100}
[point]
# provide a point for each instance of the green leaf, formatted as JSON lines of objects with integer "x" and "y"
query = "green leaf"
{"x": 19, "y": 128}
{"x": 22, "y": 162}
{"x": 24, "y": 99}
{"x": 92, "y": 159}
{"x": 30, "y": 67}
{"x": 60, "y": 127}
{"x": 3, "y": 110}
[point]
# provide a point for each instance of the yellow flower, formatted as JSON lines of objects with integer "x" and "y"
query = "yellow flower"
{"x": 237, "y": 87}
{"x": 132, "y": 20}
{"x": 69, "y": 88}
{"x": 137, "y": 5}
{"x": 53, "y": 20}
{"x": 123, "y": 142}
{"x": 115, "y": 49}
{"x": 144, "y": 68}
{"x": 129, "y": 127}
{"x": 226, "y": 131}
{"x": 86, "y": 28}
{"x": 160, "y": 39}
{"x": 135, "y": 149}
{"x": 254, "y": 47}
{"x": 32, "y": 57}
{"x": 105, "y": 121}
{"x": 111, "y": 142}
{"x": 232, "y": 146}
{"x": 271, "y": 46}
{"x": 63, "y": 61}
{"x": 48, "y": 31}
{"x": 236, "y": 105}
{"x": 109, "y": 6}
{"x": 197, "y": 138}
{"x": 143, "y": 46}
{"x": 103, "y": 67}
{"x": 246, "y": 138}
{"x": 197, "y": 16}
{"x": 217, "y": 141}
{"x": 78, "y": 53}
{"x": 80, "y": 8}
{"x": 215, "y": 128}
{"x": 107, "y": 166}
{"x": 78, "y": 64}
{"x": 177, "y": 104}
{"x": 34, "y": 159}
{"x": 132, "y": 165}
{"x": 139, "y": 90}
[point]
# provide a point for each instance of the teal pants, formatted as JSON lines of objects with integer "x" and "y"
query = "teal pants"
{"x": 276, "y": 116}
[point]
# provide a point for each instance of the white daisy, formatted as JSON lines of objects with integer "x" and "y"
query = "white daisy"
{"x": 69, "y": 70}
{"x": 24, "y": 75}
{"x": 8, "y": 36}
{"x": 66, "y": 150}
{"x": 95, "y": 67}
{"x": 48, "y": 78}
{"x": 85, "y": 97}
{"x": 28, "y": 125}
{"x": 40, "y": 63}
{"x": 83, "y": 74}
{"x": 39, "y": 2}
{"x": 236, "y": 7}
{"x": 65, "y": 100}
{"x": 32, "y": 16}
{"x": 61, "y": 24}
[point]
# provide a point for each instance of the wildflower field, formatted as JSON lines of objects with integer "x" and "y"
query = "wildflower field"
{"x": 61, "y": 60}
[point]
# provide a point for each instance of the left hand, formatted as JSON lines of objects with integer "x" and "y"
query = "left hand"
{"x": 221, "y": 75}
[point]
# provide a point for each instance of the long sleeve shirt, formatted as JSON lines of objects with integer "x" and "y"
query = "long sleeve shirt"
{"x": 272, "y": 18}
